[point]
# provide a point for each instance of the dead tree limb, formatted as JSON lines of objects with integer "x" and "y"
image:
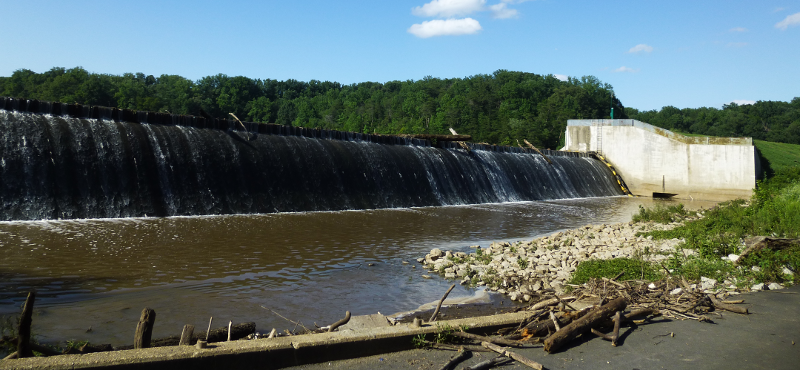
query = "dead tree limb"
{"x": 617, "y": 320}
{"x": 499, "y": 360}
{"x": 727, "y": 307}
{"x": 601, "y": 335}
{"x": 439, "y": 306}
{"x": 461, "y": 356}
{"x": 584, "y": 324}
{"x": 758, "y": 243}
{"x": 481, "y": 338}
{"x": 517, "y": 357}
{"x": 340, "y": 322}
{"x": 24, "y": 329}
{"x": 538, "y": 151}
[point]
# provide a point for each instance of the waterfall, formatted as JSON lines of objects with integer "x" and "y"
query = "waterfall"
{"x": 57, "y": 166}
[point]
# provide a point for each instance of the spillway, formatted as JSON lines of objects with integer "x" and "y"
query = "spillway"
{"x": 54, "y": 165}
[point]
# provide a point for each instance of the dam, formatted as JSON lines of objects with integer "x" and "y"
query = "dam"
{"x": 660, "y": 163}
{"x": 60, "y": 161}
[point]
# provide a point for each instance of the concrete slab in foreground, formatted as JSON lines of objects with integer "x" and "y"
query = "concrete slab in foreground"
{"x": 272, "y": 353}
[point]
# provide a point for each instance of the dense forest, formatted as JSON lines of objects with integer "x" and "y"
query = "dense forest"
{"x": 500, "y": 108}
{"x": 765, "y": 120}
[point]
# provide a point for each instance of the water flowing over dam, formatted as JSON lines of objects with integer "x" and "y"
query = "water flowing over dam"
{"x": 59, "y": 166}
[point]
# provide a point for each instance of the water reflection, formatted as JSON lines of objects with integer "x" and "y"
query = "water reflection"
{"x": 308, "y": 266}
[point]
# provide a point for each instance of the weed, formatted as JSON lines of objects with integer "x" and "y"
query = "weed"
{"x": 661, "y": 214}
{"x": 633, "y": 269}
{"x": 522, "y": 262}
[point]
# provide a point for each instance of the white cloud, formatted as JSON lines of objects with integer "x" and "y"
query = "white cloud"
{"x": 792, "y": 20}
{"x": 743, "y": 102}
{"x": 561, "y": 77}
{"x": 738, "y": 29}
{"x": 502, "y": 11}
{"x": 445, "y": 27}
{"x": 626, "y": 69}
{"x": 448, "y": 8}
{"x": 641, "y": 48}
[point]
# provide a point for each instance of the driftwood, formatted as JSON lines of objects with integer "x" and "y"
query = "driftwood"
{"x": 617, "y": 321}
{"x": 439, "y": 306}
{"x": 481, "y": 338}
{"x": 441, "y": 137}
{"x": 461, "y": 356}
{"x": 499, "y": 360}
{"x": 584, "y": 324}
{"x": 24, "y": 329}
{"x": 144, "y": 329}
{"x": 727, "y": 307}
{"x": 238, "y": 331}
{"x": 341, "y": 322}
{"x": 758, "y": 243}
{"x": 517, "y": 357}
{"x": 538, "y": 151}
{"x": 186, "y": 335}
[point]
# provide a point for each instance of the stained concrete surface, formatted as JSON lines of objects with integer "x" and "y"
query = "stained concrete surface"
{"x": 768, "y": 338}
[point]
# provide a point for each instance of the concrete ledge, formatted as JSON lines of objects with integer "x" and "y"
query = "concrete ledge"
{"x": 272, "y": 353}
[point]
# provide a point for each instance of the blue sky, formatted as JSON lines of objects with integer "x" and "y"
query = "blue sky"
{"x": 654, "y": 53}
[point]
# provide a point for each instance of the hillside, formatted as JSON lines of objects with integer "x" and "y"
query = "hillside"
{"x": 779, "y": 155}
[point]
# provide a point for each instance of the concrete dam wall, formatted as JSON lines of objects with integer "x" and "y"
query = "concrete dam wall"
{"x": 70, "y": 161}
{"x": 654, "y": 161}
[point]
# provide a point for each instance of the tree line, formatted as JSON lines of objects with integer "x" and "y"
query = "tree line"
{"x": 499, "y": 108}
{"x": 764, "y": 120}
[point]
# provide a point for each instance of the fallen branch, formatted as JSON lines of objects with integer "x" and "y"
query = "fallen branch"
{"x": 499, "y": 360}
{"x": 481, "y": 338}
{"x": 340, "y": 322}
{"x": 617, "y": 320}
{"x": 24, "y": 329}
{"x": 601, "y": 335}
{"x": 463, "y": 354}
{"x": 517, "y": 357}
{"x": 583, "y": 325}
{"x": 439, "y": 306}
{"x": 727, "y": 307}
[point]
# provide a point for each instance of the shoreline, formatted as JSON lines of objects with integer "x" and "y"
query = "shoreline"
{"x": 524, "y": 269}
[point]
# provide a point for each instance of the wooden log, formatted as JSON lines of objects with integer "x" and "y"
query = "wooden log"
{"x": 617, "y": 321}
{"x": 24, "y": 329}
{"x": 238, "y": 331}
{"x": 186, "y": 335}
{"x": 488, "y": 363}
{"x": 461, "y": 356}
{"x": 481, "y": 338}
{"x": 341, "y": 322}
{"x": 516, "y": 356}
{"x": 727, "y": 307}
{"x": 144, "y": 329}
{"x": 584, "y": 324}
{"x": 758, "y": 243}
{"x": 441, "y": 137}
{"x": 439, "y": 306}
{"x": 538, "y": 151}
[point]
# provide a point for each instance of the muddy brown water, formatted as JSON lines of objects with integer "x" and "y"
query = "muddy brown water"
{"x": 98, "y": 274}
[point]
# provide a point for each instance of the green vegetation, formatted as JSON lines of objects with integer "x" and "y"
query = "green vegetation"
{"x": 498, "y": 108}
{"x": 779, "y": 155}
{"x": 773, "y": 121}
{"x": 773, "y": 211}
{"x": 661, "y": 214}
{"x": 631, "y": 269}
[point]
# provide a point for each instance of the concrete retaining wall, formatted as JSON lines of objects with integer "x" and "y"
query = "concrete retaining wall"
{"x": 654, "y": 160}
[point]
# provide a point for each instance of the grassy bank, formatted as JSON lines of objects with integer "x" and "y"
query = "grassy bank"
{"x": 779, "y": 155}
{"x": 774, "y": 211}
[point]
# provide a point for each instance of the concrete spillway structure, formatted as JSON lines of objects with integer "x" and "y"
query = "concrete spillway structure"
{"x": 654, "y": 161}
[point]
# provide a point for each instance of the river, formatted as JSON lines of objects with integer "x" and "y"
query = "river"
{"x": 310, "y": 267}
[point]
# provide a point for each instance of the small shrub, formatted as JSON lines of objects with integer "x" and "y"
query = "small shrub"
{"x": 661, "y": 214}
{"x": 634, "y": 269}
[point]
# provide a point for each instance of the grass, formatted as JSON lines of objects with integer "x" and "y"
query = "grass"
{"x": 661, "y": 214}
{"x": 773, "y": 211}
{"x": 631, "y": 269}
{"x": 779, "y": 155}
